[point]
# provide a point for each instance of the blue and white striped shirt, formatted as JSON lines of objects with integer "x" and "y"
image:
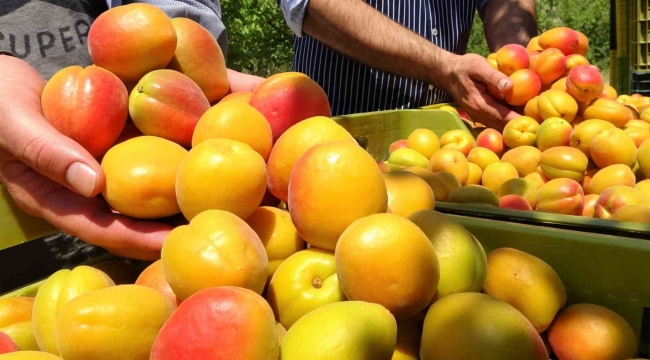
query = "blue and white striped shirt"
{"x": 353, "y": 87}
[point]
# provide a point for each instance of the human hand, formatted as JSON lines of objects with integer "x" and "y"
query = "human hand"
{"x": 49, "y": 175}
{"x": 242, "y": 82}
{"x": 468, "y": 78}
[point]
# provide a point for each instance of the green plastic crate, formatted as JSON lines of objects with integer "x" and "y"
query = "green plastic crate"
{"x": 377, "y": 130}
{"x": 16, "y": 226}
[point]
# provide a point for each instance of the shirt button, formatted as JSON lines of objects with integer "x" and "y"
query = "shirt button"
{"x": 434, "y": 32}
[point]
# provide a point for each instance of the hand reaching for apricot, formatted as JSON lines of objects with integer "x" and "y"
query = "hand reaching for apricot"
{"x": 51, "y": 176}
{"x": 470, "y": 76}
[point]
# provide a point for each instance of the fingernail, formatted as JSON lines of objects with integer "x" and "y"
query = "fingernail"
{"x": 503, "y": 84}
{"x": 82, "y": 178}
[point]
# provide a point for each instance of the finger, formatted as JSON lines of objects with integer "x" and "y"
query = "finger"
{"x": 89, "y": 219}
{"x": 38, "y": 144}
{"x": 483, "y": 72}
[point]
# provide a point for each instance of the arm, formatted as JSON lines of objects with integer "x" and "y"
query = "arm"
{"x": 48, "y": 175}
{"x": 361, "y": 32}
{"x": 509, "y": 22}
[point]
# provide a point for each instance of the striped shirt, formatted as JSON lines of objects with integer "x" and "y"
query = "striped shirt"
{"x": 355, "y": 88}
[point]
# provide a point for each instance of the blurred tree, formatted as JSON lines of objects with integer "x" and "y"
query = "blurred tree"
{"x": 260, "y": 42}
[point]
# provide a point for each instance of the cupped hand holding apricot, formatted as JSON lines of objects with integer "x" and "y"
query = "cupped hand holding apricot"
{"x": 51, "y": 175}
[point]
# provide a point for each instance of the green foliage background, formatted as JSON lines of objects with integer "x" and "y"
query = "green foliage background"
{"x": 262, "y": 44}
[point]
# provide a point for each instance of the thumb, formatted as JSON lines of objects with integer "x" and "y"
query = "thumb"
{"x": 35, "y": 142}
{"x": 483, "y": 72}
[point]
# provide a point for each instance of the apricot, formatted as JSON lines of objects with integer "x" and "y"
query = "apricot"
{"x": 511, "y": 58}
{"x": 452, "y": 161}
{"x": 239, "y": 96}
{"x": 88, "y": 105}
{"x": 553, "y": 132}
{"x": 643, "y": 158}
{"x": 492, "y": 60}
{"x": 294, "y": 143}
{"x": 533, "y": 44}
{"x": 153, "y": 276}
{"x": 29, "y": 355}
{"x": 537, "y": 178}
{"x": 460, "y": 255}
{"x": 407, "y": 157}
{"x": 525, "y": 86}
{"x": 562, "y": 38}
{"x": 618, "y": 197}
{"x": 564, "y": 162}
{"x": 365, "y": 331}
{"x": 609, "y": 110}
{"x": 407, "y": 193}
{"x": 199, "y": 56}
{"x": 609, "y": 93}
{"x": 590, "y": 331}
{"x": 141, "y": 177}
{"x": 288, "y": 98}
{"x": 559, "y": 85}
{"x": 16, "y": 321}
{"x": 496, "y": 174}
{"x": 386, "y": 259}
{"x": 633, "y": 213}
{"x": 556, "y": 103}
{"x": 617, "y": 174}
{"x": 525, "y": 159}
{"x": 531, "y": 110}
{"x": 526, "y": 282}
{"x": 590, "y": 205}
{"x": 583, "y": 133}
{"x": 167, "y": 104}
{"x": 278, "y": 235}
{"x": 323, "y": 176}
{"x": 475, "y": 195}
{"x": 442, "y": 182}
{"x": 520, "y": 131}
{"x": 475, "y": 175}
{"x": 59, "y": 289}
{"x": 239, "y": 170}
{"x": 524, "y": 188}
{"x": 549, "y": 66}
{"x": 396, "y": 145}
{"x": 583, "y": 44}
{"x": 223, "y": 322}
{"x": 584, "y": 83}
{"x": 613, "y": 146}
{"x": 482, "y": 157}
{"x": 514, "y": 202}
{"x": 217, "y": 248}
{"x": 132, "y": 40}
{"x": 491, "y": 139}
{"x": 304, "y": 282}
{"x": 460, "y": 140}
{"x": 637, "y": 134}
{"x": 123, "y": 320}
{"x": 644, "y": 187}
{"x": 235, "y": 121}
{"x": 574, "y": 60}
{"x": 7, "y": 344}
{"x": 424, "y": 141}
{"x": 490, "y": 327}
{"x": 561, "y": 196}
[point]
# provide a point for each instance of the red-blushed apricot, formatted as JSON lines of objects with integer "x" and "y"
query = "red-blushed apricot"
{"x": 88, "y": 105}
{"x": 220, "y": 323}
